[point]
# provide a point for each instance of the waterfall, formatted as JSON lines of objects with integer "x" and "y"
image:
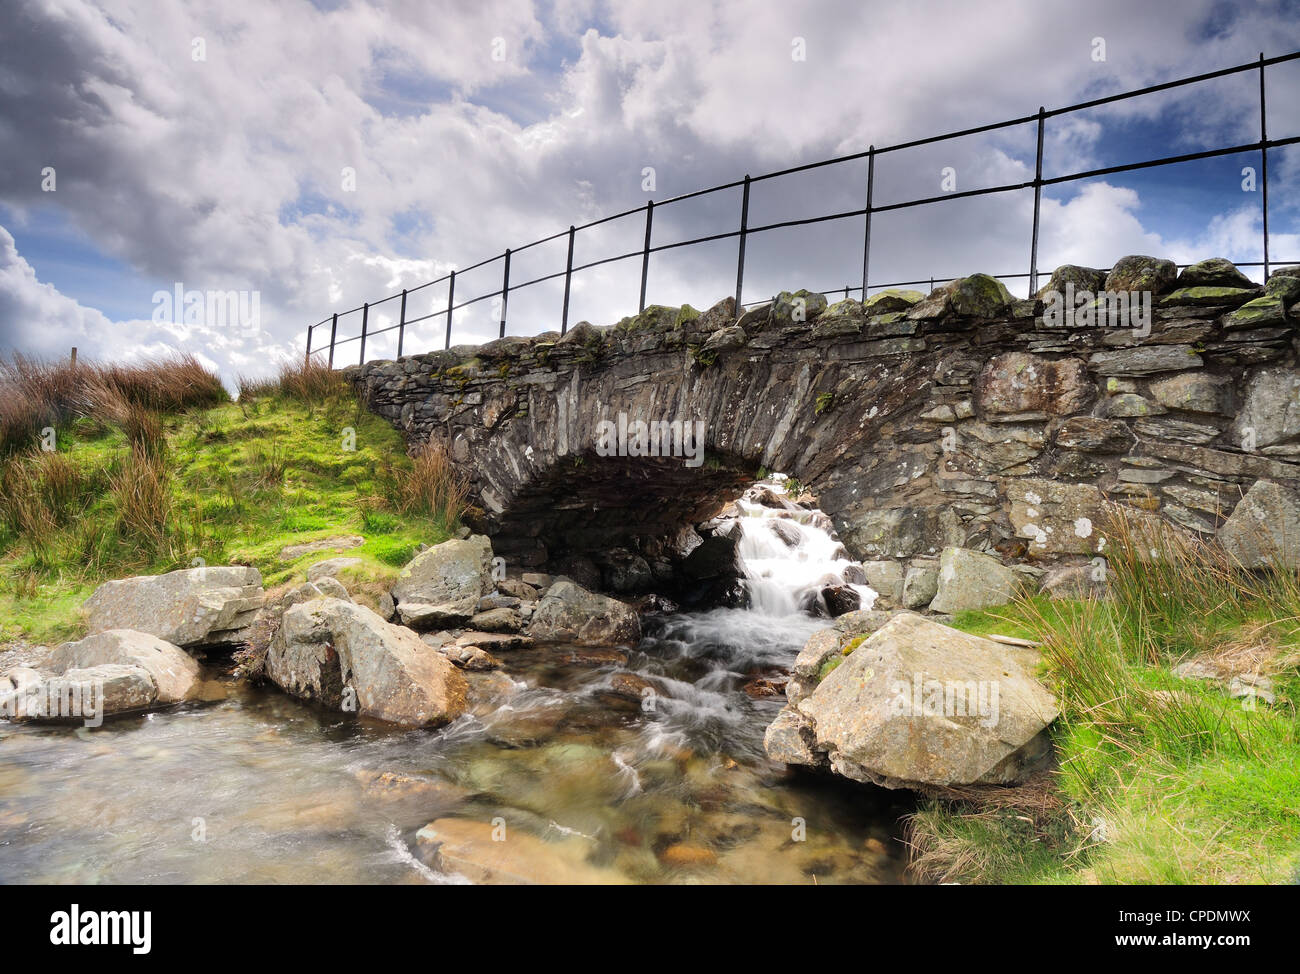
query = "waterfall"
{"x": 789, "y": 554}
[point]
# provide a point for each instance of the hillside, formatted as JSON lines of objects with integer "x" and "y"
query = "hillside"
{"x": 203, "y": 479}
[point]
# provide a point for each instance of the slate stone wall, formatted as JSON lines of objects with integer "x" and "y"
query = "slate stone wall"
{"x": 963, "y": 418}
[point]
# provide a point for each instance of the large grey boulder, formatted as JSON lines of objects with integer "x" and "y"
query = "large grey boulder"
{"x": 972, "y": 580}
{"x": 917, "y": 704}
{"x": 441, "y": 586}
{"x": 85, "y": 695}
{"x": 570, "y": 613}
{"x": 113, "y": 672}
{"x": 191, "y": 608}
{"x": 172, "y": 671}
{"x": 1264, "y": 528}
{"x": 345, "y": 657}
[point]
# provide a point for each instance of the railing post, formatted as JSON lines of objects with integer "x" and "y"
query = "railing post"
{"x": 365, "y": 320}
{"x": 568, "y": 278}
{"x": 505, "y": 293}
{"x": 401, "y": 325}
{"x": 306, "y": 358}
{"x": 451, "y": 300}
{"x": 740, "y": 258}
{"x": 334, "y": 330}
{"x": 1263, "y": 158}
{"x": 1038, "y": 195}
{"x": 645, "y": 254}
{"x": 866, "y": 233}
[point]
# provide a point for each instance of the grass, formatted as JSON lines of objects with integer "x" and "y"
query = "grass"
{"x": 1159, "y": 779}
{"x": 144, "y": 481}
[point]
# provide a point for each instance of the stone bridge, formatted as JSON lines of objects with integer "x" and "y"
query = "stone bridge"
{"x": 963, "y": 418}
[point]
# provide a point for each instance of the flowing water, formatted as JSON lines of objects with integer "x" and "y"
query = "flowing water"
{"x": 624, "y": 764}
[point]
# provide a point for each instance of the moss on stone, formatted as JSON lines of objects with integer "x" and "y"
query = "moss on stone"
{"x": 1200, "y": 296}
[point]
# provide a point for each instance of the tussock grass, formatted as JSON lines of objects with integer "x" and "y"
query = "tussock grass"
{"x": 309, "y": 381}
{"x": 36, "y": 395}
{"x": 1160, "y": 779}
{"x": 431, "y": 488}
{"x": 138, "y": 487}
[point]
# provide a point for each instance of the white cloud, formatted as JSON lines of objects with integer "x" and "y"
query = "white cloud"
{"x": 226, "y": 173}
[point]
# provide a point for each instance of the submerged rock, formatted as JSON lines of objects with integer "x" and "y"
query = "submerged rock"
{"x": 918, "y": 704}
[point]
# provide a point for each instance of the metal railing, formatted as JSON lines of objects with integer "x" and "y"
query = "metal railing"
{"x": 744, "y": 230}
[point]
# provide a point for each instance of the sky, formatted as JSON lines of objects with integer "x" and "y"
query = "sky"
{"x": 302, "y": 158}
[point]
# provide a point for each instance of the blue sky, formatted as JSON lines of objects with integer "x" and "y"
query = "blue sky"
{"x": 470, "y": 128}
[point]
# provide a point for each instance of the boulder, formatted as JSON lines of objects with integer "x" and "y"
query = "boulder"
{"x": 890, "y": 301}
{"x": 172, "y": 671}
{"x": 347, "y": 658}
{"x": 517, "y": 588}
{"x": 1214, "y": 272}
{"x": 798, "y": 306}
{"x": 1264, "y": 528}
{"x": 625, "y": 571}
{"x": 920, "y": 585}
{"x": 886, "y": 578}
{"x": 972, "y": 580}
{"x": 1139, "y": 273}
{"x": 920, "y": 705}
{"x": 441, "y": 586}
{"x": 570, "y": 613}
{"x": 497, "y": 620}
{"x": 190, "y": 608}
{"x": 77, "y": 694}
{"x": 1083, "y": 279}
{"x": 840, "y": 599}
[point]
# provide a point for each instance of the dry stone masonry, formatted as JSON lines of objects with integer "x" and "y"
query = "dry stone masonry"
{"x": 965, "y": 419}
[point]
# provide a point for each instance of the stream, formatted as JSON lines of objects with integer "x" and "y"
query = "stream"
{"x": 617, "y": 764}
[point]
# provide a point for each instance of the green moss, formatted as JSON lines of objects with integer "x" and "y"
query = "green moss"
{"x": 828, "y": 666}
{"x": 824, "y": 402}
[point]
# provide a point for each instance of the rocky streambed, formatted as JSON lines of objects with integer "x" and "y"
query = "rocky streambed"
{"x": 480, "y": 727}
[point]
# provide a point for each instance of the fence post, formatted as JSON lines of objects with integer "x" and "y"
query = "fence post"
{"x": 365, "y": 320}
{"x": 740, "y": 258}
{"x": 568, "y": 278}
{"x": 401, "y": 325}
{"x": 306, "y": 358}
{"x": 451, "y": 299}
{"x": 1038, "y": 194}
{"x": 866, "y": 233}
{"x": 334, "y": 330}
{"x": 1263, "y": 157}
{"x": 505, "y": 294}
{"x": 645, "y": 254}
